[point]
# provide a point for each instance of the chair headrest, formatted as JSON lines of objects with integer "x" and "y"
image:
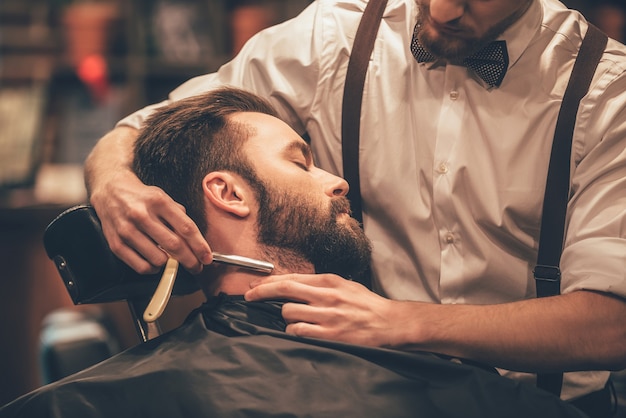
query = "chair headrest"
{"x": 91, "y": 272}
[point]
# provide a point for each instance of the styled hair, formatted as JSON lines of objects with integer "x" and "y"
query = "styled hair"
{"x": 185, "y": 140}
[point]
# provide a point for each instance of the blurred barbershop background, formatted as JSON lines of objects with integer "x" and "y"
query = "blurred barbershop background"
{"x": 69, "y": 69}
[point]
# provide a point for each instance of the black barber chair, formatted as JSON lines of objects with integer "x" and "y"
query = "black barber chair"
{"x": 93, "y": 274}
{"x": 70, "y": 340}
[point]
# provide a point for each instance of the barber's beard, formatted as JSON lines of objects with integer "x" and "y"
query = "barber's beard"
{"x": 454, "y": 49}
{"x": 295, "y": 227}
{"x": 450, "y": 48}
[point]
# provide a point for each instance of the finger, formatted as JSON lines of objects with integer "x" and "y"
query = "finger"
{"x": 166, "y": 223}
{"x": 283, "y": 289}
{"x": 177, "y": 234}
{"x": 186, "y": 228}
{"x": 135, "y": 261}
{"x": 305, "y": 329}
{"x": 152, "y": 235}
{"x": 165, "y": 240}
{"x": 300, "y": 312}
{"x": 138, "y": 236}
{"x": 328, "y": 317}
{"x": 318, "y": 280}
{"x": 320, "y": 331}
{"x": 148, "y": 250}
{"x": 135, "y": 249}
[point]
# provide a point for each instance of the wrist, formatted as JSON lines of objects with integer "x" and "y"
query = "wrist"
{"x": 109, "y": 160}
{"x": 103, "y": 185}
{"x": 407, "y": 329}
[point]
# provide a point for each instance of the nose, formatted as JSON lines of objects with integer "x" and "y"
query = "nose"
{"x": 443, "y": 11}
{"x": 334, "y": 185}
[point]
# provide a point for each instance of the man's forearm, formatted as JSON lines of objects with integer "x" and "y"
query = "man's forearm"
{"x": 578, "y": 331}
{"x": 111, "y": 156}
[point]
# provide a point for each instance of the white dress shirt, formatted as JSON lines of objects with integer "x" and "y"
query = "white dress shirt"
{"x": 453, "y": 173}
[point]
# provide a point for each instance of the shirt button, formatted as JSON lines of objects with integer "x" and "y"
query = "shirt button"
{"x": 454, "y": 95}
{"x": 443, "y": 168}
{"x": 449, "y": 238}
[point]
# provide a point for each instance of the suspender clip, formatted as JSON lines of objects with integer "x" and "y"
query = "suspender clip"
{"x": 547, "y": 273}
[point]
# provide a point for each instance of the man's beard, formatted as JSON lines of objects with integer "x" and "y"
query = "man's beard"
{"x": 455, "y": 49}
{"x": 298, "y": 228}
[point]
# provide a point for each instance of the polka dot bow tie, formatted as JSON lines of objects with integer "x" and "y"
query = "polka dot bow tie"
{"x": 490, "y": 63}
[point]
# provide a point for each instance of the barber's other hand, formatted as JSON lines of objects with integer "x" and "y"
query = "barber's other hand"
{"x": 331, "y": 308}
{"x": 142, "y": 223}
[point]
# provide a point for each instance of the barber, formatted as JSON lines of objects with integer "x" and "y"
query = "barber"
{"x": 453, "y": 169}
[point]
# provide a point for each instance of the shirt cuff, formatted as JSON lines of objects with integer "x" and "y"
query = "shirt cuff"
{"x": 597, "y": 264}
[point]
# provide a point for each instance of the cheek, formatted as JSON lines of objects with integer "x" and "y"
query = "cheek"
{"x": 311, "y": 187}
{"x": 289, "y": 179}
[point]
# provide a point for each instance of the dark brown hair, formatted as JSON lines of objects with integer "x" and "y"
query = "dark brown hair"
{"x": 185, "y": 140}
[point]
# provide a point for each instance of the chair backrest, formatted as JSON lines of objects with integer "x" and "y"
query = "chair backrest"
{"x": 93, "y": 274}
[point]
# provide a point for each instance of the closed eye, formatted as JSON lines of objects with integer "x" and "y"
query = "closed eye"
{"x": 302, "y": 165}
{"x": 300, "y": 154}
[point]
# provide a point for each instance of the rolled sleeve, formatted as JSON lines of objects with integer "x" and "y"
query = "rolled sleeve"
{"x": 136, "y": 120}
{"x": 594, "y": 255}
{"x": 596, "y": 264}
{"x": 278, "y": 63}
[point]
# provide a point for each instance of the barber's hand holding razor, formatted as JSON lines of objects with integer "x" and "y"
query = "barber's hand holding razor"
{"x": 141, "y": 223}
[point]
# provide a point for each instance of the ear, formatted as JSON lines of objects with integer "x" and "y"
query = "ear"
{"x": 227, "y": 192}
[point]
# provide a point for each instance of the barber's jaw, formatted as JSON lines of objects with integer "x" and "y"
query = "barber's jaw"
{"x": 304, "y": 222}
{"x": 455, "y": 29}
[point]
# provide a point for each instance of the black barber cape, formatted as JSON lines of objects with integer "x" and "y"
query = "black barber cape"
{"x": 232, "y": 359}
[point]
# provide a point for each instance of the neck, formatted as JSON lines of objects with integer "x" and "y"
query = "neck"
{"x": 229, "y": 235}
{"x": 232, "y": 280}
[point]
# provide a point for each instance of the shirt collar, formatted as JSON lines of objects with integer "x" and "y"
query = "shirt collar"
{"x": 522, "y": 32}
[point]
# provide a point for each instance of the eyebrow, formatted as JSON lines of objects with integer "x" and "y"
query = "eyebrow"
{"x": 300, "y": 146}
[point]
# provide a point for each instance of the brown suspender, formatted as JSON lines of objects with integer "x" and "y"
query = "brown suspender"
{"x": 547, "y": 273}
{"x": 351, "y": 107}
{"x": 353, "y": 96}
